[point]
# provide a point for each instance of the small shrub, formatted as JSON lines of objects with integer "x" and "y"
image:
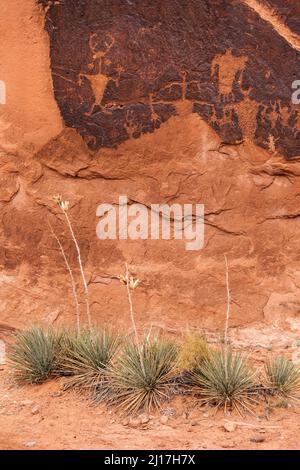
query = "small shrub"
{"x": 223, "y": 379}
{"x": 35, "y": 354}
{"x": 192, "y": 351}
{"x": 86, "y": 357}
{"x": 141, "y": 378}
{"x": 283, "y": 377}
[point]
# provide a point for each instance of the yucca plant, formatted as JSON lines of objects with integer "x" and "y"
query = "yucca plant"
{"x": 35, "y": 354}
{"x": 283, "y": 377}
{"x": 224, "y": 380}
{"x": 141, "y": 378}
{"x": 86, "y": 358}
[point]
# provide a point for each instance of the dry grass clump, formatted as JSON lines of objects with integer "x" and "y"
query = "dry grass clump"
{"x": 192, "y": 351}
{"x": 141, "y": 377}
{"x": 86, "y": 357}
{"x": 224, "y": 380}
{"x": 283, "y": 377}
{"x": 35, "y": 354}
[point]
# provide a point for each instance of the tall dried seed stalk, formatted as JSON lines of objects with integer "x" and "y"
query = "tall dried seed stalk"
{"x": 129, "y": 287}
{"x": 73, "y": 284}
{"x": 130, "y": 284}
{"x": 64, "y": 206}
{"x": 228, "y": 302}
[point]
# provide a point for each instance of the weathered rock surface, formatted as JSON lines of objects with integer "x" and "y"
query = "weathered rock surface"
{"x": 288, "y": 12}
{"x": 164, "y": 103}
{"x": 122, "y": 69}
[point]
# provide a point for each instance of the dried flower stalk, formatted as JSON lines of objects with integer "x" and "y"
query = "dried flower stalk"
{"x": 64, "y": 206}
{"x": 73, "y": 284}
{"x": 228, "y": 302}
{"x": 131, "y": 284}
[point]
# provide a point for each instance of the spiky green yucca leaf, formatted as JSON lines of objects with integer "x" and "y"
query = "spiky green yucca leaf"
{"x": 283, "y": 377}
{"x": 35, "y": 354}
{"x": 141, "y": 377}
{"x": 86, "y": 357}
{"x": 223, "y": 379}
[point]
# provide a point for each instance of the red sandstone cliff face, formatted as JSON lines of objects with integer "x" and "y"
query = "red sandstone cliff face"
{"x": 165, "y": 102}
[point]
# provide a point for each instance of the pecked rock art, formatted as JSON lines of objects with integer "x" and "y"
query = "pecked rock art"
{"x": 121, "y": 69}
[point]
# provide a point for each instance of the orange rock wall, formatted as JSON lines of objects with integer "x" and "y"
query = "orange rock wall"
{"x": 249, "y": 184}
